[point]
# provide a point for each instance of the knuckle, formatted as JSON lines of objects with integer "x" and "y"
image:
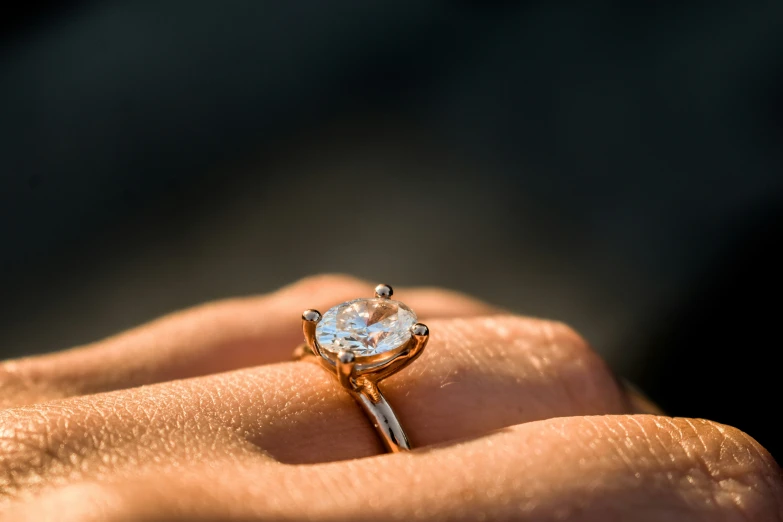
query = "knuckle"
{"x": 30, "y": 443}
{"x": 740, "y": 475}
{"x": 555, "y": 343}
{"x": 12, "y": 385}
{"x": 552, "y": 353}
{"x": 328, "y": 284}
{"x": 586, "y": 378}
{"x": 567, "y": 334}
{"x": 747, "y": 454}
{"x": 579, "y": 352}
{"x": 21, "y": 383}
{"x": 441, "y": 302}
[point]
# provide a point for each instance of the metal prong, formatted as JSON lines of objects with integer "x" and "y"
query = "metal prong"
{"x": 383, "y": 291}
{"x": 310, "y": 320}
{"x": 421, "y": 334}
{"x": 420, "y": 330}
{"x": 311, "y": 316}
{"x": 346, "y": 362}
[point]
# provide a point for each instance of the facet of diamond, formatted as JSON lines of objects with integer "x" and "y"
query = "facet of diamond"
{"x": 365, "y": 327}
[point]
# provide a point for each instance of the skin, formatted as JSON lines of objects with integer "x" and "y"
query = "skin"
{"x": 200, "y": 416}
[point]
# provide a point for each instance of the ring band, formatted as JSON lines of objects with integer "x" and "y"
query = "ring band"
{"x": 363, "y": 342}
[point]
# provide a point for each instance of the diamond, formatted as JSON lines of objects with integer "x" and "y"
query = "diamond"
{"x": 365, "y": 326}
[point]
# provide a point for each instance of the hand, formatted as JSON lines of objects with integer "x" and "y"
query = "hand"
{"x": 513, "y": 418}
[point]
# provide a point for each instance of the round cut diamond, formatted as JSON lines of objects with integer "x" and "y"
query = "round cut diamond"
{"x": 365, "y": 326}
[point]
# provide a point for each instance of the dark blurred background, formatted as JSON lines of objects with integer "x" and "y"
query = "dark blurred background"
{"x": 614, "y": 166}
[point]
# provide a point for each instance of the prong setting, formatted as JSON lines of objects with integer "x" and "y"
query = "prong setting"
{"x": 344, "y": 342}
{"x": 365, "y": 341}
{"x": 346, "y": 357}
{"x": 346, "y": 364}
{"x": 420, "y": 330}
{"x": 383, "y": 291}
{"x": 310, "y": 320}
{"x": 409, "y": 353}
{"x": 311, "y": 316}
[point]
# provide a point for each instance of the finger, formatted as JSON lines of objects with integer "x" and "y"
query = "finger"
{"x": 580, "y": 469}
{"x": 477, "y": 374}
{"x": 641, "y": 468}
{"x": 207, "y": 339}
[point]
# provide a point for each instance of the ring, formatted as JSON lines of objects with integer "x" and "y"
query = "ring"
{"x": 363, "y": 342}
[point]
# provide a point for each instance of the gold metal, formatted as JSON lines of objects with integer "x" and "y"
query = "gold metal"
{"x": 360, "y": 375}
{"x": 346, "y": 364}
{"x": 412, "y": 350}
{"x": 310, "y": 320}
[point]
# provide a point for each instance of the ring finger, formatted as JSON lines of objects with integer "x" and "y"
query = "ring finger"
{"x": 211, "y": 338}
{"x": 477, "y": 374}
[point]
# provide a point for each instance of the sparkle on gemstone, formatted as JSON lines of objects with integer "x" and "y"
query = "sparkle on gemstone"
{"x": 365, "y": 326}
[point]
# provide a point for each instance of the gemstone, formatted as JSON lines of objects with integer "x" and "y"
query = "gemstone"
{"x": 365, "y": 326}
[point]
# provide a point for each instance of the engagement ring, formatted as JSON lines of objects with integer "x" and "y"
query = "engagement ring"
{"x": 362, "y": 342}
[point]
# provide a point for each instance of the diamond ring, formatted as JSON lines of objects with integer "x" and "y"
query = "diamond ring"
{"x": 362, "y": 342}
